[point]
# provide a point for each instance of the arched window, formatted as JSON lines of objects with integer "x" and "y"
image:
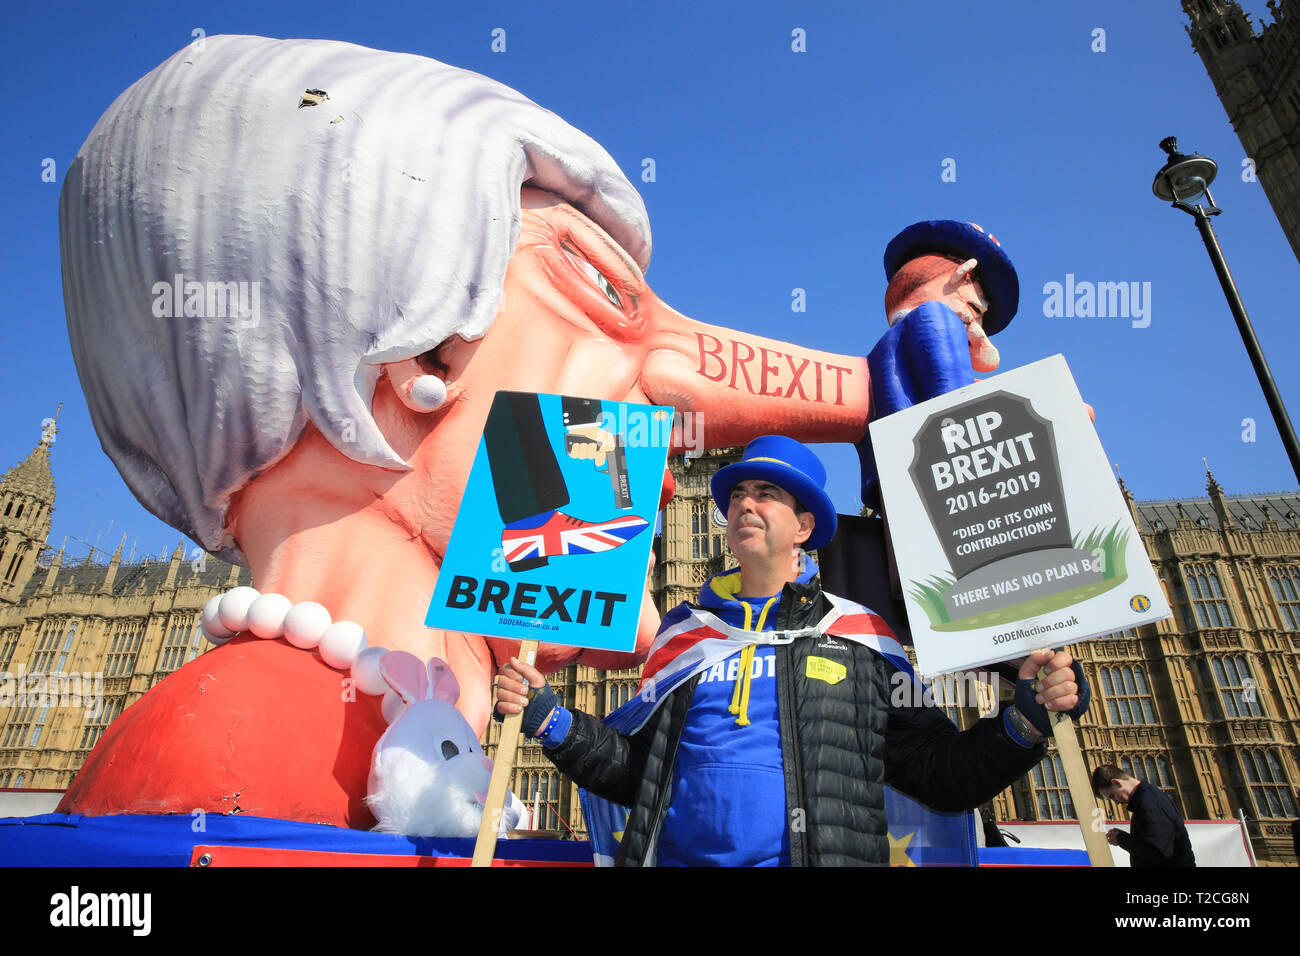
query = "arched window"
{"x": 1208, "y": 599}
{"x": 8, "y": 644}
{"x": 175, "y": 647}
{"x": 94, "y": 726}
{"x": 47, "y": 647}
{"x": 1268, "y": 784}
{"x": 20, "y": 723}
{"x": 121, "y": 658}
{"x": 542, "y": 789}
{"x": 1238, "y": 690}
{"x": 68, "y": 640}
{"x": 1051, "y": 791}
{"x": 707, "y": 541}
{"x": 39, "y": 724}
{"x": 618, "y": 693}
{"x": 1285, "y": 585}
{"x": 1128, "y": 698}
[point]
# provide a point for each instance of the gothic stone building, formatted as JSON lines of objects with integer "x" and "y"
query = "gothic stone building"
{"x": 80, "y": 641}
{"x": 1206, "y": 705}
{"x": 1257, "y": 78}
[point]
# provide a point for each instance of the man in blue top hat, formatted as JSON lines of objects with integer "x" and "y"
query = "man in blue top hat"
{"x": 771, "y": 714}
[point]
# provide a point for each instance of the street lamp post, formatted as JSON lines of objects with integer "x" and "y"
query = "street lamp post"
{"x": 1186, "y": 177}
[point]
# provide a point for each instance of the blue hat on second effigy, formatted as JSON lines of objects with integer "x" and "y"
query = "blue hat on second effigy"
{"x": 965, "y": 240}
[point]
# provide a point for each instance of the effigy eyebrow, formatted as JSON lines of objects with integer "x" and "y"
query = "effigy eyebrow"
{"x": 605, "y": 240}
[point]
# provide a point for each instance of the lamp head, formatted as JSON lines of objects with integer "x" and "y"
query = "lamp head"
{"x": 1183, "y": 177}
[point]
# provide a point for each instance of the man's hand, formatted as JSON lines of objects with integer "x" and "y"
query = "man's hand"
{"x": 1112, "y": 836}
{"x": 1061, "y": 688}
{"x": 513, "y": 683}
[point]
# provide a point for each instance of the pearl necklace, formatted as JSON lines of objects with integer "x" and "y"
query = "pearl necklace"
{"x": 341, "y": 644}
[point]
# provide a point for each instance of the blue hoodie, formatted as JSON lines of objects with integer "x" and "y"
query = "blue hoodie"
{"x": 728, "y": 798}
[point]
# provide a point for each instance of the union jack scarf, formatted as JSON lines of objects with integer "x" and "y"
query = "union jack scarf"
{"x": 694, "y": 639}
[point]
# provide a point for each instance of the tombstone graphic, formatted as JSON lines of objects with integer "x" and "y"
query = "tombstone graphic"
{"x": 990, "y": 481}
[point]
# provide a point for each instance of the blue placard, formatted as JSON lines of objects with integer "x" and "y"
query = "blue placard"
{"x": 548, "y": 544}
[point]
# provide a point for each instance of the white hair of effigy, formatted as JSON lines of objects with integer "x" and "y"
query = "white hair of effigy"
{"x": 257, "y": 225}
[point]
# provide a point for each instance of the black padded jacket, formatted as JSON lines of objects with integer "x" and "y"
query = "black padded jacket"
{"x": 840, "y": 744}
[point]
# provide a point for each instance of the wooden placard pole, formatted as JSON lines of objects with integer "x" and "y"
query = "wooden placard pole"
{"x": 1076, "y": 776}
{"x": 502, "y": 767}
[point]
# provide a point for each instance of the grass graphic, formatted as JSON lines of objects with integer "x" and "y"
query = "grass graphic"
{"x": 1112, "y": 545}
{"x": 929, "y": 594}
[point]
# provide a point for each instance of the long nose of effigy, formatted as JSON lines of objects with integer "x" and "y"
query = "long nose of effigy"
{"x": 733, "y": 386}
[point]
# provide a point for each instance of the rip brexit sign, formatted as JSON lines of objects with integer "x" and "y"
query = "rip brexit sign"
{"x": 973, "y": 459}
{"x": 1008, "y": 528}
{"x": 989, "y": 479}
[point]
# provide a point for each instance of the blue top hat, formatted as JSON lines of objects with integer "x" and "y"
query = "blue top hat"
{"x": 965, "y": 240}
{"x": 789, "y": 465}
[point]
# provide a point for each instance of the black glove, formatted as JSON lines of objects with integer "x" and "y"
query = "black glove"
{"x": 541, "y": 701}
{"x": 1037, "y": 714}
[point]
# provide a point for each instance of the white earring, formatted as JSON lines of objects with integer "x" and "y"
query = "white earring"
{"x": 418, "y": 390}
{"x": 424, "y": 393}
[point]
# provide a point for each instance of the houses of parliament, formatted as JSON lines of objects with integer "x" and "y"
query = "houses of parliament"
{"x": 1205, "y": 705}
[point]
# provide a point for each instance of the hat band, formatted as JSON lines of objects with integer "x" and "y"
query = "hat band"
{"x": 777, "y": 460}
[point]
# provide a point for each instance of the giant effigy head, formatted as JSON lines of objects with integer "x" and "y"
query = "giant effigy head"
{"x": 256, "y": 227}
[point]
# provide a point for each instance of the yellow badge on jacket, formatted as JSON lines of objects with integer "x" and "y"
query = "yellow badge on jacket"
{"x": 832, "y": 672}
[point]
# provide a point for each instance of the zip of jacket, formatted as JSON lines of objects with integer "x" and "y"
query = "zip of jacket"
{"x": 657, "y": 813}
{"x": 792, "y": 609}
{"x": 794, "y": 792}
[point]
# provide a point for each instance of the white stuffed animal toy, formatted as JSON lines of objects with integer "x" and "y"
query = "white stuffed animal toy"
{"x": 429, "y": 775}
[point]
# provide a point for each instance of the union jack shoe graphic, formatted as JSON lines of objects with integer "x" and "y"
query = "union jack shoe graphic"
{"x": 553, "y": 533}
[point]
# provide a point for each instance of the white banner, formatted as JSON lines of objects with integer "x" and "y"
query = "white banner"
{"x": 1214, "y": 842}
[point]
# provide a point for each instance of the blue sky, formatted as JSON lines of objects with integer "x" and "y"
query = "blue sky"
{"x": 775, "y": 170}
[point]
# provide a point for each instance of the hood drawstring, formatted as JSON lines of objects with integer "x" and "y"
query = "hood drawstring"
{"x": 740, "y": 695}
